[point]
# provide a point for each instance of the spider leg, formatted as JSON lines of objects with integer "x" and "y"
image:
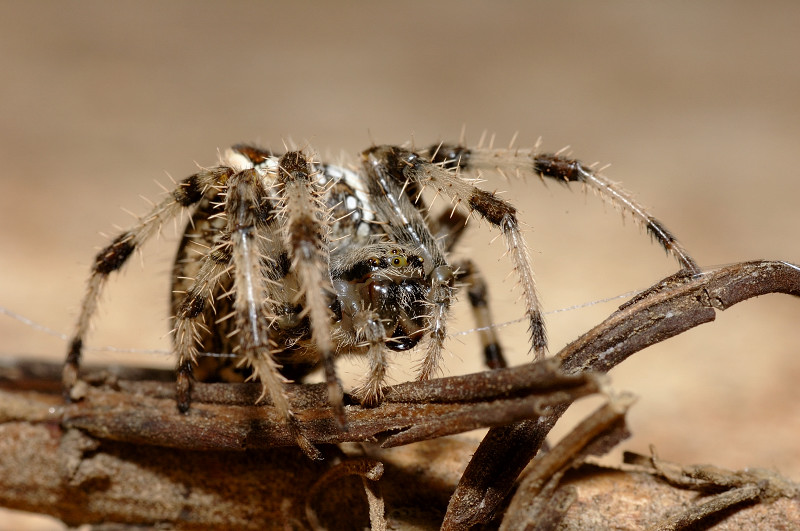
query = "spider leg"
{"x": 247, "y": 214}
{"x": 190, "y": 191}
{"x": 405, "y": 223}
{"x": 499, "y": 213}
{"x": 206, "y": 238}
{"x": 370, "y": 329}
{"x": 557, "y": 167}
{"x": 448, "y": 229}
{"x": 306, "y": 239}
{"x": 477, "y": 293}
{"x": 565, "y": 170}
{"x": 185, "y": 333}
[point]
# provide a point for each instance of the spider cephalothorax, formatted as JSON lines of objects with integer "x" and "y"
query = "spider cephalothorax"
{"x": 389, "y": 279}
{"x": 288, "y": 263}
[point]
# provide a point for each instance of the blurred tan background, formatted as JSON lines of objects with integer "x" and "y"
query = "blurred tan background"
{"x": 695, "y": 105}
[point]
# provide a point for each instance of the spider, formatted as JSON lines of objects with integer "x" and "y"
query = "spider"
{"x": 288, "y": 263}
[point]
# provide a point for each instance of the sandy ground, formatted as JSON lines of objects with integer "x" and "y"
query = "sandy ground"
{"x": 695, "y": 105}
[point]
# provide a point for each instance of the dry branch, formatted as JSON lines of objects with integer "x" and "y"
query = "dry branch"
{"x": 224, "y": 417}
{"x": 124, "y": 454}
{"x": 671, "y": 307}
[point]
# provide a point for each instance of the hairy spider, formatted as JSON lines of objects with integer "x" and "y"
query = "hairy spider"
{"x": 289, "y": 263}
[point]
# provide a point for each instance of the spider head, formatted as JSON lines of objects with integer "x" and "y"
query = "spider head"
{"x": 390, "y": 280}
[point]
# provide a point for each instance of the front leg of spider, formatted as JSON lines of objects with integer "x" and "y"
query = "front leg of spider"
{"x": 567, "y": 170}
{"x": 409, "y": 167}
{"x": 392, "y": 193}
{"x": 247, "y": 218}
{"x": 526, "y": 162}
{"x": 306, "y": 221}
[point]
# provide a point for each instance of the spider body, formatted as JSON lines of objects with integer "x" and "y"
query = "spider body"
{"x": 288, "y": 263}
{"x": 364, "y": 270}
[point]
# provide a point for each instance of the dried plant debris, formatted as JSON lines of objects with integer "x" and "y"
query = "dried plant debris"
{"x": 664, "y": 313}
{"x": 124, "y": 454}
{"x": 370, "y": 471}
{"x": 535, "y": 501}
{"x": 624, "y": 498}
{"x": 727, "y": 489}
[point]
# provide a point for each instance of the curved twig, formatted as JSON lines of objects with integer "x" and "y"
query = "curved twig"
{"x": 673, "y": 306}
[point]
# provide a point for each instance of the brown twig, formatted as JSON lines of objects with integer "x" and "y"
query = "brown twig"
{"x": 158, "y": 473}
{"x": 664, "y": 313}
{"x": 595, "y": 435}
{"x": 123, "y": 453}
{"x": 224, "y": 417}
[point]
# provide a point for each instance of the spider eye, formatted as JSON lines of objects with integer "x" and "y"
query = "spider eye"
{"x": 374, "y": 261}
{"x": 399, "y": 261}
